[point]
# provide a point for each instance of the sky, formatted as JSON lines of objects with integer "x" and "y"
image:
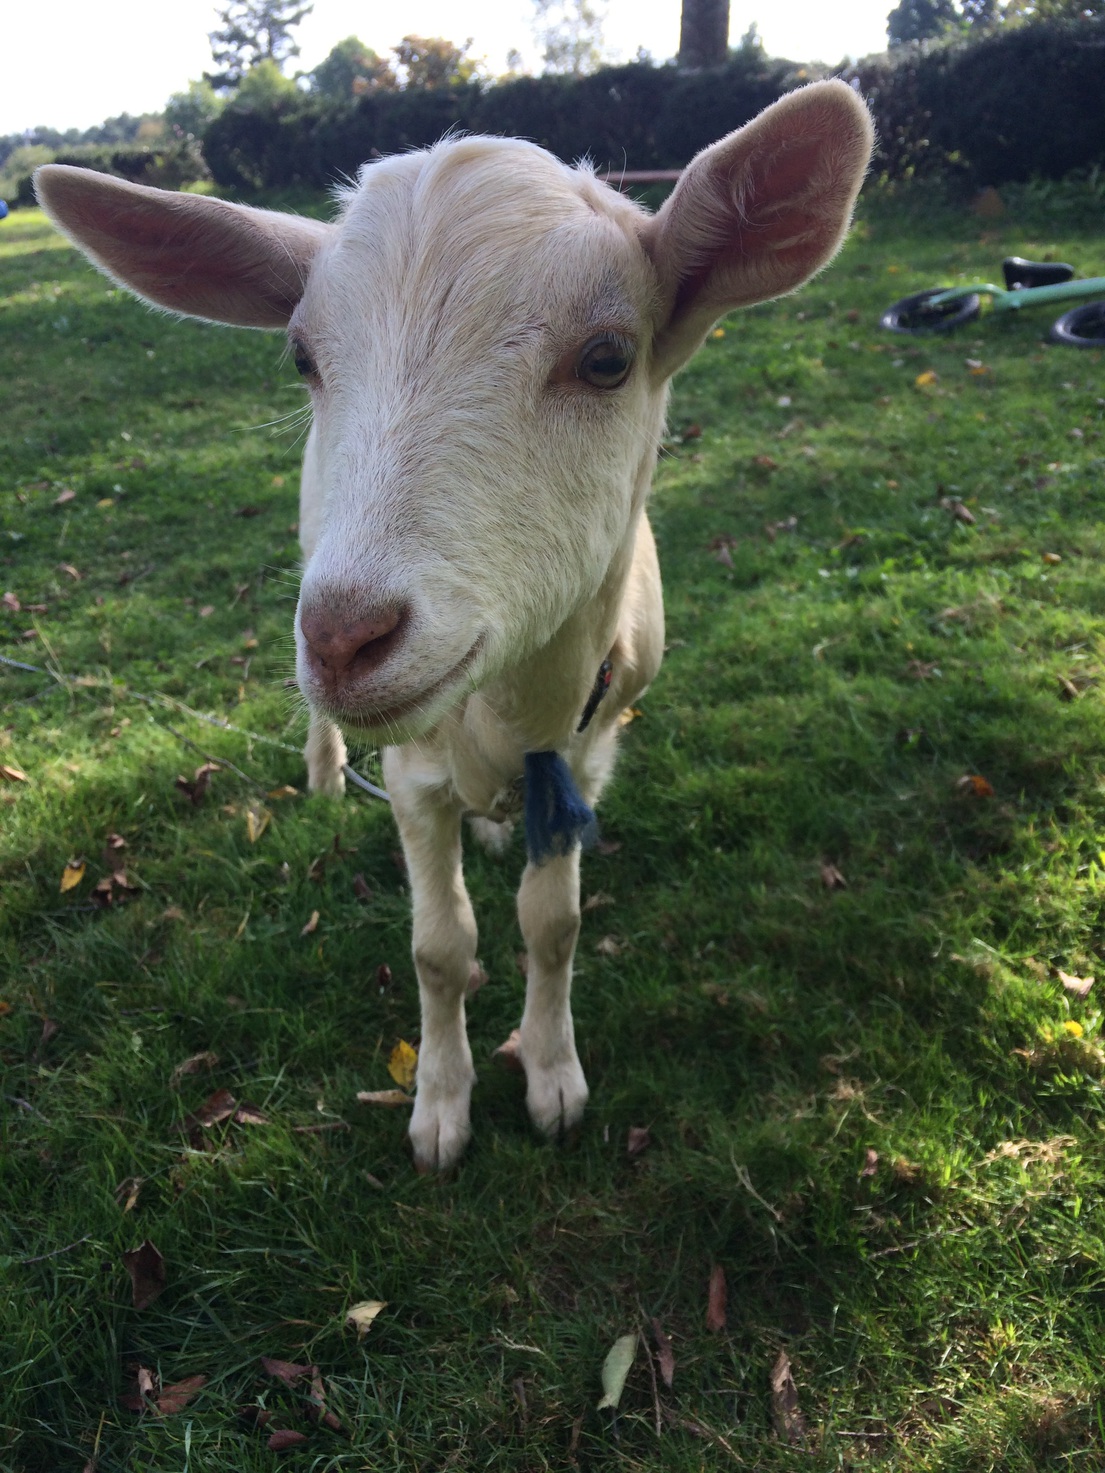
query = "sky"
{"x": 72, "y": 63}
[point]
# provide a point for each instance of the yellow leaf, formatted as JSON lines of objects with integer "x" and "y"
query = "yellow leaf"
{"x": 360, "y": 1316}
{"x": 72, "y": 875}
{"x": 629, "y": 714}
{"x": 286, "y": 791}
{"x": 257, "y": 821}
{"x": 402, "y": 1064}
{"x": 12, "y": 774}
{"x": 924, "y": 380}
{"x": 718, "y": 332}
{"x": 105, "y": 503}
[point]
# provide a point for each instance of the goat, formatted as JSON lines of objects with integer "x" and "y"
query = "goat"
{"x": 487, "y": 336}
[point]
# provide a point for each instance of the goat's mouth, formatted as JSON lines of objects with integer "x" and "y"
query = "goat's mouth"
{"x": 414, "y": 714}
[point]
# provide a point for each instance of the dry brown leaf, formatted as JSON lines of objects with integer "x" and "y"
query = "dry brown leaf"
{"x": 599, "y": 898}
{"x": 383, "y": 977}
{"x": 72, "y": 875}
{"x": 831, "y": 877}
{"x": 147, "y": 1273}
{"x": 1076, "y": 986}
{"x": 509, "y": 1055}
{"x": 284, "y": 791}
{"x": 608, "y": 946}
{"x": 70, "y": 571}
{"x": 285, "y": 1370}
{"x": 128, "y": 1189}
{"x": 716, "y": 1298}
{"x": 12, "y": 774}
{"x": 360, "y": 1316}
{"x": 172, "y": 913}
{"x": 665, "y": 1357}
{"x": 68, "y": 494}
{"x": 311, "y": 925}
{"x": 257, "y": 821}
{"x": 11, "y": 603}
{"x": 871, "y": 1162}
{"x": 215, "y": 1109}
{"x": 974, "y": 786}
{"x": 284, "y": 1438}
{"x": 197, "y": 1064}
{"x": 637, "y": 1140}
{"x": 390, "y": 1097}
{"x": 176, "y": 1397}
{"x": 247, "y": 1114}
{"x": 403, "y": 1064}
{"x": 790, "y": 1425}
{"x": 361, "y": 887}
{"x": 195, "y": 789}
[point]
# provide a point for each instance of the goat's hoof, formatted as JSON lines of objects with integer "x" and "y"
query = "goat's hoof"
{"x": 556, "y": 1097}
{"x": 330, "y": 784}
{"x": 439, "y": 1134}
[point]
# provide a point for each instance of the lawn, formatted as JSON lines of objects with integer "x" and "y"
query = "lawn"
{"x": 834, "y": 961}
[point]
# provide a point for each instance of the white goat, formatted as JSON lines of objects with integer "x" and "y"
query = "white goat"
{"x": 487, "y": 336}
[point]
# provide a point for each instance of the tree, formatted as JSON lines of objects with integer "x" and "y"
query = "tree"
{"x": 569, "y": 33}
{"x": 351, "y": 70}
{"x": 920, "y": 20}
{"x": 434, "y": 62}
{"x": 187, "y": 114}
{"x": 703, "y": 34}
{"x": 253, "y": 31}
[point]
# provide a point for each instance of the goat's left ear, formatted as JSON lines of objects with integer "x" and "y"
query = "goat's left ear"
{"x": 757, "y": 214}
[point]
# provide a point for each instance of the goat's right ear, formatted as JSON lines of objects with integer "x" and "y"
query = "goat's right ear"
{"x": 192, "y": 254}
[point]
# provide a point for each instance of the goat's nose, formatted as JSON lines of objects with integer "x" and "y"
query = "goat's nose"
{"x": 338, "y": 649}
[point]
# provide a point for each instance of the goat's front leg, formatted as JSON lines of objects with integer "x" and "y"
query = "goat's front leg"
{"x": 325, "y": 754}
{"x": 444, "y": 956}
{"x": 548, "y": 911}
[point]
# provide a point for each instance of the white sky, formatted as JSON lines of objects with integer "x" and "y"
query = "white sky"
{"x": 72, "y": 63}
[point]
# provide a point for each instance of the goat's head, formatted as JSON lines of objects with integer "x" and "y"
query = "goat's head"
{"x": 487, "y": 336}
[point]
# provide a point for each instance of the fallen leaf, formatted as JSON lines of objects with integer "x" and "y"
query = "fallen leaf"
{"x": 616, "y": 1368}
{"x": 247, "y": 1114}
{"x": 311, "y": 925}
{"x": 716, "y": 1297}
{"x": 207, "y": 611}
{"x": 285, "y": 1370}
{"x": 72, "y": 875}
{"x": 871, "y": 1162}
{"x": 509, "y": 1054}
{"x": 284, "y": 791}
{"x": 1076, "y": 986}
{"x": 361, "y": 887}
{"x": 927, "y": 379}
{"x": 12, "y": 774}
{"x": 1068, "y": 691}
{"x": 11, "y": 603}
{"x": 257, "y": 821}
{"x": 599, "y": 898}
{"x": 214, "y": 1110}
{"x": 665, "y": 1356}
{"x": 138, "y": 1400}
{"x": 172, "y": 913}
{"x": 403, "y": 1064}
{"x": 629, "y": 714}
{"x": 147, "y": 1273}
{"x": 67, "y": 495}
{"x": 176, "y": 1397}
{"x": 831, "y": 877}
{"x": 1052, "y": 557}
{"x": 383, "y": 977}
{"x": 129, "y": 1188}
{"x": 766, "y": 462}
{"x": 195, "y": 789}
{"x": 608, "y": 946}
{"x": 975, "y": 786}
{"x": 360, "y": 1316}
{"x": 384, "y": 1097}
{"x": 638, "y": 1139}
{"x": 958, "y": 510}
{"x": 283, "y": 1438}
{"x": 70, "y": 571}
{"x": 922, "y": 669}
{"x": 790, "y": 1425}
{"x": 197, "y": 1064}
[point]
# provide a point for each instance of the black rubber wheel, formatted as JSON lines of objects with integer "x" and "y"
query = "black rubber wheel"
{"x": 914, "y": 317}
{"x": 1082, "y": 327}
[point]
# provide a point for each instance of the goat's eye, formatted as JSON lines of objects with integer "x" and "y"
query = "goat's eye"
{"x": 605, "y": 361}
{"x": 304, "y": 363}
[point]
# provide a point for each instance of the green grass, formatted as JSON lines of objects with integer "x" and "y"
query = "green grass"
{"x": 821, "y": 700}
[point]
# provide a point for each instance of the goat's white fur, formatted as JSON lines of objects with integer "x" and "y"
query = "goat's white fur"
{"x": 459, "y": 469}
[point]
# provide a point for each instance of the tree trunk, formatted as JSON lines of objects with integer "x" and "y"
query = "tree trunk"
{"x": 703, "y": 33}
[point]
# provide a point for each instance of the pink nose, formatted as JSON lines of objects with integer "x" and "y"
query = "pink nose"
{"x": 338, "y": 651}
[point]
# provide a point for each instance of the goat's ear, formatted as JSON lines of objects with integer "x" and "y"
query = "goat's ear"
{"x": 757, "y": 214}
{"x": 189, "y": 253}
